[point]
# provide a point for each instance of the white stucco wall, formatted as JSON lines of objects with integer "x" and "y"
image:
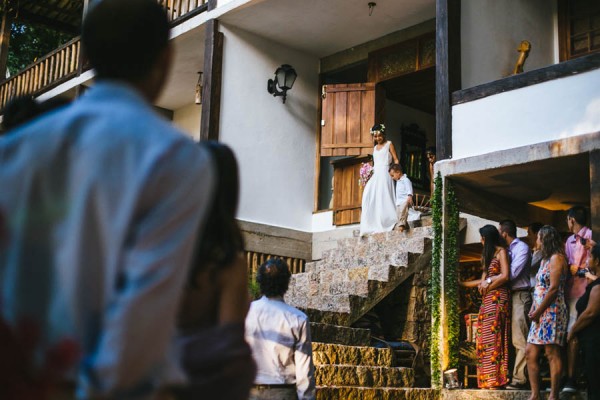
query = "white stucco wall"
{"x": 188, "y": 119}
{"x": 547, "y": 111}
{"x": 491, "y": 31}
{"x": 275, "y": 143}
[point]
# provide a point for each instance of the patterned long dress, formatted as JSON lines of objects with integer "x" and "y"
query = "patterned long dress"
{"x": 552, "y": 326}
{"x": 493, "y": 333}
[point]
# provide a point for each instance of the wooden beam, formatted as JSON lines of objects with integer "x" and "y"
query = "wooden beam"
{"x": 211, "y": 82}
{"x": 5, "y": 25}
{"x": 448, "y": 72}
{"x": 54, "y": 23}
{"x": 549, "y": 73}
{"x": 595, "y": 194}
{"x": 490, "y": 206}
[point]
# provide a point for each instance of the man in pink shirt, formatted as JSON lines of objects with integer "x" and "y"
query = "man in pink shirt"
{"x": 577, "y": 256}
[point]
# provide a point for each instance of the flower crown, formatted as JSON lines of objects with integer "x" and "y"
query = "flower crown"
{"x": 381, "y": 129}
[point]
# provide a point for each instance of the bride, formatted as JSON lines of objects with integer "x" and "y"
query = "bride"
{"x": 378, "y": 207}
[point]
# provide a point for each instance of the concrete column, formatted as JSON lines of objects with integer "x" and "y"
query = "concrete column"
{"x": 595, "y": 194}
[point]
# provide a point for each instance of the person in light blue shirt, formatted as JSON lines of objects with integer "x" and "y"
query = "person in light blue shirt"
{"x": 520, "y": 263}
{"x": 404, "y": 195}
{"x": 101, "y": 201}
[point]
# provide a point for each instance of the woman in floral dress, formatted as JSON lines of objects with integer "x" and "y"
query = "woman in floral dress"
{"x": 493, "y": 325}
{"x": 548, "y": 313}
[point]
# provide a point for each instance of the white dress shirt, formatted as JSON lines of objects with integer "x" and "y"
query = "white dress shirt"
{"x": 103, "y": 200}
{"x": 279, "y": 336}
{"x": 403, "y": 189}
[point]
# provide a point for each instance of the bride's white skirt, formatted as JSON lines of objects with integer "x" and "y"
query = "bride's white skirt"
{"x": 378, "y": 208}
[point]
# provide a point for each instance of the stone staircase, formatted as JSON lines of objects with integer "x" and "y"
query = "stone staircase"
{"x": 340, "y": 288}
{"x": 351, "y": 369}
{"x": 351, "y": 279}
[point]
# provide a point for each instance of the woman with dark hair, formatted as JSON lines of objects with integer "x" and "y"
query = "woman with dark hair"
{"x": 548, "y": 312}
{"x": 214, "y": 307}
{"x": 587, "y": 326}
{"x": 378, "y": 206}
{"x": 493, "y": 323}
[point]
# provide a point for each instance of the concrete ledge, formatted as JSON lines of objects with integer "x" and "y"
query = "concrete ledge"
{"x": 275, "y": 240}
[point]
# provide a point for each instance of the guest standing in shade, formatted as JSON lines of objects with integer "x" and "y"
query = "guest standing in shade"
{"x": 548, "y": 313}
{"x": 494, "y": 314}
{"x": 587, "y": 326}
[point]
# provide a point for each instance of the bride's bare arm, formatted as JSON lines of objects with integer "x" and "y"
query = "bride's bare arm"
{"x": 393, "y": 153}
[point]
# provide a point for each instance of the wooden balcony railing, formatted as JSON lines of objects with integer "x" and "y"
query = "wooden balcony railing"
{"x": 254, "y": 260}
{"x": 176, "y": 9}
{"x": 58, "y": 66}
{"x": 65, "y": 62}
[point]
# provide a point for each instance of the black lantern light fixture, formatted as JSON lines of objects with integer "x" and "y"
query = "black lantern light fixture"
{"x": 198, "y": 98}
{"x": 285, "y": 76}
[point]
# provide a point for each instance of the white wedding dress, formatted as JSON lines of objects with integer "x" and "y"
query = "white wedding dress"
{"x": 378, "y": 207}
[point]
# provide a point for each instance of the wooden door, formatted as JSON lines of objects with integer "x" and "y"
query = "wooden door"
{"x": 348, "y": 113}
{"x": 347, "y": 194}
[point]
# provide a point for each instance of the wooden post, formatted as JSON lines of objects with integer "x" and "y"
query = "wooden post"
{"x": 211, "y": 82}
{"x": 448, "y": 72}
{"x": 595, "y": 194}
{"x": 5, "y": 25}
{"x": 212, "y": 4}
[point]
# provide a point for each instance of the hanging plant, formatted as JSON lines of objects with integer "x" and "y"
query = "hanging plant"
{"x": 435, "y": 290}
{"x": 451, "y": 277}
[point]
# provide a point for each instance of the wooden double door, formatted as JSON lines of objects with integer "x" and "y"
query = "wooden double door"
{"x": 348, "y": 113}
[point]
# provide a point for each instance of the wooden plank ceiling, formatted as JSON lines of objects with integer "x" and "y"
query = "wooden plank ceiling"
{"x": 62, "y": 15}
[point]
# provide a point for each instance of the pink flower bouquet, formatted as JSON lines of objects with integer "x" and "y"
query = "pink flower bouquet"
{"x": 366, "y": 171}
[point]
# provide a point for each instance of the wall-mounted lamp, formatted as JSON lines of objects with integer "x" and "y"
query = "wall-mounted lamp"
{"x": 285, "y": 76}
{"x": 199, "y": 89}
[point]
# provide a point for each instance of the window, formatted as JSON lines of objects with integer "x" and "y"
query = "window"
{"x": 579, "y": 28}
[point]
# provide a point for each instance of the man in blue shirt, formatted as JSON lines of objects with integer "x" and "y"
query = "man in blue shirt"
{"x": 520, "y": 263}
{"x": 101, "y": 203}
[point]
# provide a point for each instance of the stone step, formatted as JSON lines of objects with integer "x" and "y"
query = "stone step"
{"x": 363, "y": 376}
{"x": 329, "y": 354}
{"x": 477, "y": 394}
{"x": 369, "y": 393}
{"x": 336, "y": 334}
{"x": 346, "y": 307}
{"x": 366, "y": 252}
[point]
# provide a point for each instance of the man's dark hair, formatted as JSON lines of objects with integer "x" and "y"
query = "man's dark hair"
{"x": 579, "y": 214}
{"x": 273, "y": 277}
{"x": 508, "y": 226}
{"x": 430, "y": 150}
{"x": 122, "y": 39}
{"x": 535, "y": 227}
{"x": 396, "y": 167}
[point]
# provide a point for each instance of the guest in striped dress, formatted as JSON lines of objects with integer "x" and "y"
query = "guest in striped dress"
{"x": 493, "y": 326}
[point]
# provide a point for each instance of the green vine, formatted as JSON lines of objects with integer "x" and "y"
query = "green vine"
{"x": 435, "y": 291}
{"x": 451, "y": 277}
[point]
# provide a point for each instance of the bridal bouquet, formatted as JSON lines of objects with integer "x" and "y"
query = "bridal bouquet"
{"x": 366, "y": 171}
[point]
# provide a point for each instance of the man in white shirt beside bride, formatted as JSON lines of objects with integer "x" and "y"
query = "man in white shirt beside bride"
{"x": 404, "y": 195}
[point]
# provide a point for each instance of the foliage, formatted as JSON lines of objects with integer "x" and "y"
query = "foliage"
{"x": 28, "y": 42}
{"x": 253, "y": 288}
{"x": 435, "y": 290}
{"x": 451, "y": 277}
